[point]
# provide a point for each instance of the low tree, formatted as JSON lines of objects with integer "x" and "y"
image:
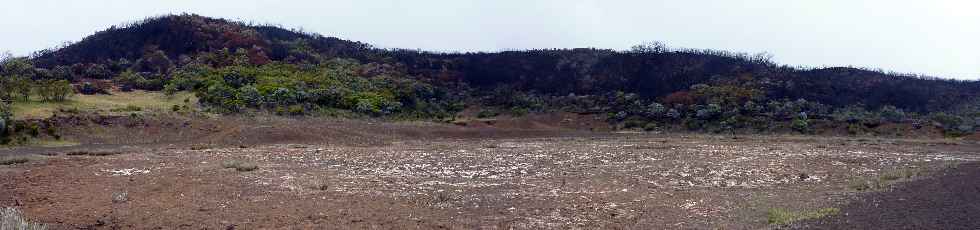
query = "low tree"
{"x": 52, "y": 90}
{"x": 6, "y": 89}
{"x": 21, "y": 86}
{"x": 17, "y": 67}
{"x": 5, "y": 114}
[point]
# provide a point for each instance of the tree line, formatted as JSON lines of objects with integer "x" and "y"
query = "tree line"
{"x": 235, "y": 66}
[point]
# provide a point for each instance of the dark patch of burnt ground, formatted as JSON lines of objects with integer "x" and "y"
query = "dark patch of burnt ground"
{"x": 950, "y": 200}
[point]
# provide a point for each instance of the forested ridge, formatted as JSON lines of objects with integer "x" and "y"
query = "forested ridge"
{"x": 236, "y": 67}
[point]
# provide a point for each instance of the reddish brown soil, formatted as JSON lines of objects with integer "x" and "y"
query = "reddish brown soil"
{"x": 335, "y": 174}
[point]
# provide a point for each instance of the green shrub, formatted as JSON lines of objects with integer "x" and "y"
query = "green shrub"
{"x": 634, "y": 123}
{"x": 296, "y": 110}
{"x": 51, "y": 131}
{"x": 519, "y": 112}
{"x": 336, "y": 84}
{"x": 854, "y": 129}
{"x": 953, "y": 125}
{"x": 801, "y": 125}
{"x": 4, "y": 123}
{"x": 3, "y": 127}
{"x": 51, "y": 90}
{"x": 650, "y": 126}
{"x": 34, "y": 130}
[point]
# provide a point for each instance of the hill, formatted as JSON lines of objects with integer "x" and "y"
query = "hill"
{"x": 234, "y": 67}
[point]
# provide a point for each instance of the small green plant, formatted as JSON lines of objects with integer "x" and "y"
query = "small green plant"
{"x": 35, "y": 130}
{"x": 801, "y": 124}
{"x": 778, "y": 216}
{"x": 51, "y": 131}
{"x": 240, "y": 166}
{"x": 854, "y": 129}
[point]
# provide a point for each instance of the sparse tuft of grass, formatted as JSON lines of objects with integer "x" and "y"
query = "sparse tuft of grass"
{"x": 14, "y": 160}
{"x": 778, "y": 216}
{"x": 11, "y": 218}
{"x": 240, "y": 166}
{"x": 899, "y": 175}
{"x": 93, "y": 153}
{"x": 859, "y": 185}
{"x": 200, "y": 146}
{"x": 321, "y": 185}
{"x": 128, "y": 108}
{"x": 882, "y": 181}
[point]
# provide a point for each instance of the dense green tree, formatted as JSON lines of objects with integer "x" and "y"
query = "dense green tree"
{"x": 22, "y": 86}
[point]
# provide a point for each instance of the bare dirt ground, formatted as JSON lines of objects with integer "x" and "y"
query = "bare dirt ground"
{"x": 948, "y": 201}
{"x": 419, "y": 176}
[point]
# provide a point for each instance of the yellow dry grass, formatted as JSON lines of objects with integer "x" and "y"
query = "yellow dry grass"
{"x": 118, "y": 103}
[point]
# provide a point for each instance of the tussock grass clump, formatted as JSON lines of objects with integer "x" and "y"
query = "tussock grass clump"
{"x": 14, "y": 160}
{"x": 778, "y": 216}
{"x": 240, "y": 166}
{"x": 320, "y": 184}
{"x": 11, "y": 218}
{"x": 93, "y": 153}
{"x": 128, "y": 108}
{"x": 201, "y": 146}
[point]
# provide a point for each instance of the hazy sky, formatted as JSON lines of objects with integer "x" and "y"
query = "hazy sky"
{"x": 935, "y": 37}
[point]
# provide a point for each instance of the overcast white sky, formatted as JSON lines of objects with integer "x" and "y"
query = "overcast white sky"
{"x": 936, "y": 37}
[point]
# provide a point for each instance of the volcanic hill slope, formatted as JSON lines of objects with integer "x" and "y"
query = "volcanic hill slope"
{"x": 193, "y": 122}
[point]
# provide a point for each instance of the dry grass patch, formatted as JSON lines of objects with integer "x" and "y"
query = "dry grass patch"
{"x": 778, "y": 216}
{"x": 119, "y": 103}
{"x": 240, "y": 166}
{"x": 884, "y": 180}
{"x": 11, "y": 160}
{"x": 93, "y": 153}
